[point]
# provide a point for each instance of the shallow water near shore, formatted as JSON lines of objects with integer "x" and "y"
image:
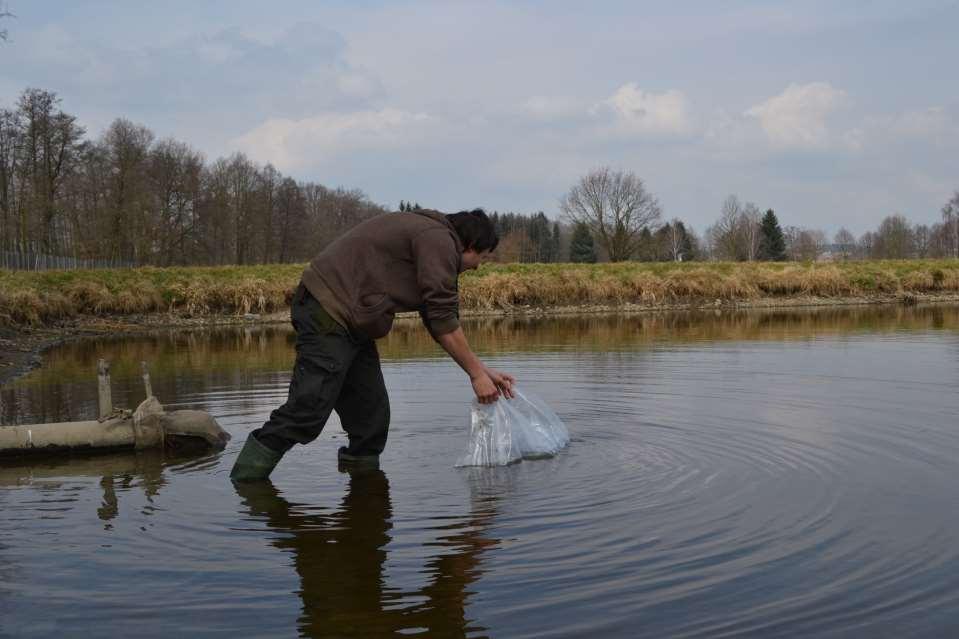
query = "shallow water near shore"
{"x": 779, "y": 473}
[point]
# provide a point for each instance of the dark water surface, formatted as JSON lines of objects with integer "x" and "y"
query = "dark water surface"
{"x": 757, "y": 474}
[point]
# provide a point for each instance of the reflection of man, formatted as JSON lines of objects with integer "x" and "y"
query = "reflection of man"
{"x": 340, "y": 558}
{"x": 347, "y": 298}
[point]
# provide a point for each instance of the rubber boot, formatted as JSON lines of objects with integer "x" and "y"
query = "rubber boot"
{"x": 344, "y": 457}
{"x": 255, "y": 461}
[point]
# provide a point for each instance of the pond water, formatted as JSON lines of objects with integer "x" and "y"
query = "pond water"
{"x": 750, "y": 474}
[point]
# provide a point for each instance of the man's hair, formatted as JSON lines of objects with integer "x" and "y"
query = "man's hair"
{"x": 475, "y": 229}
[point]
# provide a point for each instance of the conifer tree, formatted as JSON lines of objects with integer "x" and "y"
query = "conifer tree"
{"x": 689, "y": 249}
{"x": 554, "y": 244}
{"x": 772, "y": 243}
{"x": 581, "y": 247}
{"x": 646, "y": 246}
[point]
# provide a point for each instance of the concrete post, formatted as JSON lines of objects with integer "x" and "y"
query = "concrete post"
{"x": 146, "y": 380}
{"x": 103, "y": 388}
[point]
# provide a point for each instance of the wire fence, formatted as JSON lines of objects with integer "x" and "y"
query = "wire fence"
{"x": 32, "y": 261}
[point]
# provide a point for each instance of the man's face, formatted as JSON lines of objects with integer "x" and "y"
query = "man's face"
{"x": 472, "y": 259}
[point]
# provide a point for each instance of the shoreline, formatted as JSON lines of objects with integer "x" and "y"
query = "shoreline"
{"x": 22, "y": 348}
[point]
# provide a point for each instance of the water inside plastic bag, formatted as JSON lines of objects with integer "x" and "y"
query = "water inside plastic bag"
{"x": 509, "y": 430}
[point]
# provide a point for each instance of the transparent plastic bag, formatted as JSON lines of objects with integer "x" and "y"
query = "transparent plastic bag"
{"x": 509, "y": 430}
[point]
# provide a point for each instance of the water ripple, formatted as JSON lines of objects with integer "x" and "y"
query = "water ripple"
{"x": 712, "y": 489}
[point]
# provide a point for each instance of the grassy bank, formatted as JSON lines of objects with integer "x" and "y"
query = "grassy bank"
{"x": 28, "y": 298}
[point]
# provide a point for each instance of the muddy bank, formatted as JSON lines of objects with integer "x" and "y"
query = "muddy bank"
{"x": 21, "y": 348}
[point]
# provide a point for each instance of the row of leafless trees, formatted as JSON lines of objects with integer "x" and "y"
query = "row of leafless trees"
{"x": 737, "y": 234}
{"x": 897, "y": 238}
{"x": 624, "y": 219}
{"x": 128, "y": 196}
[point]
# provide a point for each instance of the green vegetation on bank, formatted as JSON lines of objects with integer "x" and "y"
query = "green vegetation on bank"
{"x": 43, "y": 297}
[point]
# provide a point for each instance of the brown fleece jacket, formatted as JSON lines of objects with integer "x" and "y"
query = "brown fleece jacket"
{"x": 391, "y": 263}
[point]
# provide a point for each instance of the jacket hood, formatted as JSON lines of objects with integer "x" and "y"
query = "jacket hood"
{"x": 442, "y": 219}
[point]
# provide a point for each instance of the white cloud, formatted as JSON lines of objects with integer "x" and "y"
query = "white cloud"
{"x": 647, "y": 113}
{"x": 294, "y": 144}
{"x": 797, "y": 117}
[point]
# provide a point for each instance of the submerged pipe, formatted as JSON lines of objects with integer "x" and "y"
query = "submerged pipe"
{"x": 111, "y": 433}
{"x": 149, "y": 426}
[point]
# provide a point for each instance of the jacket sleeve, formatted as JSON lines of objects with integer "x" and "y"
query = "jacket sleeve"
{"x": 437, "y": 269}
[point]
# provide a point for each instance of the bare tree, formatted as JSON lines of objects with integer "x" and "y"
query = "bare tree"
{"x": 950, "y": 218}
{"x": 266, "y": 209}
{"x": 241, "y": 188}
{"x": 737, "y": 234}
{"x": 804, "y": 245}
{"x": 128, "y": 147}
{"x": 893, "y": 239}
{"x": 175, "y": 175}
{"x": 866, "y": 245}
{"x": 749, "y": 227}
{"x": 793, "y": 237}
{"x": 291, "y": 220}
{"x": 332, "y": 211}
{"x": 814, "y": 242}
{"x": 845, "y": 242}
{"x": 4, "y": 14}
{"x": 10, "y": 139}
{"x": 922, "y": 240}
{"x": 616, "y": 206}
{"x": 513, "y": 246}
{"x": 215, "y": 220}
{"x": 723, "y": 236}
{"x": 940, "y": 242}
{"x": 676, "y": 238}
{"x": 86, "y": 202}
{"x": 50, "y": 143}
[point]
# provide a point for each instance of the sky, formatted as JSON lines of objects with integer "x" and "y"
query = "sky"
{"x": 831, "y": 113}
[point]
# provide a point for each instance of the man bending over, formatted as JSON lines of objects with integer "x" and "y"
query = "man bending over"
{"x": 347, "y": 298}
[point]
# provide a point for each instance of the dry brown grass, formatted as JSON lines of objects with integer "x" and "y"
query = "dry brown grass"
{"x": 37, "y": 298}
{"x": 509, "y": 286}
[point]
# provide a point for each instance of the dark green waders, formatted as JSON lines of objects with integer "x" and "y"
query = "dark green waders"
{"x": 333, "y": 371}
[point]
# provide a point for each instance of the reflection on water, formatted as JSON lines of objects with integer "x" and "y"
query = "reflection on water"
{"x": 754, "y": 474}
{"x": 339, "y": 553}
{"x": 195, "y": 363}
{"x": 340, "y": 558}
{"x": 114, "y": 472}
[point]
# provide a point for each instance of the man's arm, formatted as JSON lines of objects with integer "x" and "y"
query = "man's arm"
{"x": 487, "y": 383}
{"x": 437, "y": 269}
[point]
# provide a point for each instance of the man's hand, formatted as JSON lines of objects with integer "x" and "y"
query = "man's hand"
{"x": 487, "y": 383}
{"x": 486, "y": 391}
{"x": 502, "y": 381}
